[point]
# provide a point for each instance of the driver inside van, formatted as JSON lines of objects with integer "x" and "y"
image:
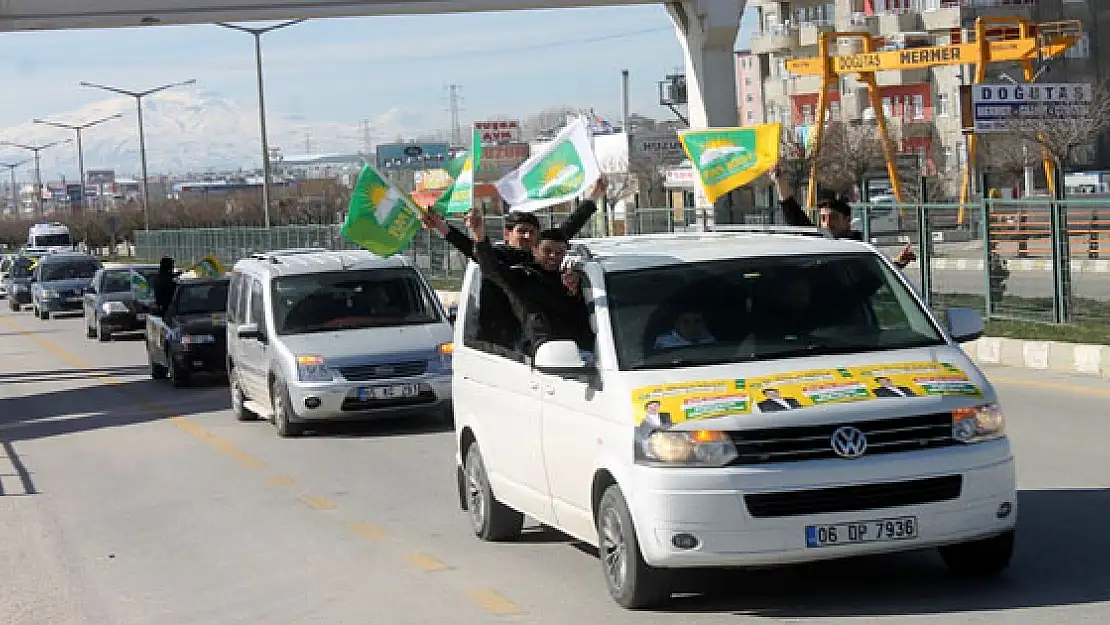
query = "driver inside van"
{"x": 689, "y": 329}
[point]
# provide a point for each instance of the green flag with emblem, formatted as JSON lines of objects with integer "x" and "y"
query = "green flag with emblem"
{"x": 459, "y": 196}
{"x": 380, "y": 217}
{"x": 560, "y": 172}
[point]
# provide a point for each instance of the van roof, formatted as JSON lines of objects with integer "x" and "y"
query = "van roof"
{"x": 653, "y": 250}
{"x": 57, "y": 257}
{"x": 300, "y": 261}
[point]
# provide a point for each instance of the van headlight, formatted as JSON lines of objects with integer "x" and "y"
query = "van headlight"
{"x": 692, "y": 448}
{"x": 113, "y": 307}
{"x": 313, "y": 369}
{"x": 49, "y": 294}
{"x": 197, "y": 339}
{"x": 978, "y": 424}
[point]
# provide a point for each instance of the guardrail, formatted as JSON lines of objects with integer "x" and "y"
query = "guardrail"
{"x": 1002, "y": 258}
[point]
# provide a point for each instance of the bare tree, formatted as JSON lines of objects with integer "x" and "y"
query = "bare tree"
{"x": 1007, "y": 156}
{"x": 797, "y": 159}
{"x": 849, "y": 153}
{"x": 1066, "y": 138}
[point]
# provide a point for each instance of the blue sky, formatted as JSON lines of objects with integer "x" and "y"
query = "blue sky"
{"x": 345, "y": 70}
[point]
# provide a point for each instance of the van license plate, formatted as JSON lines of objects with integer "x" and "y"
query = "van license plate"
{"x": 858, "y": 532}
{"x": 389, "y": 391}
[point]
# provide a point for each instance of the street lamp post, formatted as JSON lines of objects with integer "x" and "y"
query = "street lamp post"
{"x": 139, "y": 95}
{"x": 257, "y": 33}
{"x": 15, "y": 194}
{"x": 37, "y": 150}
{"x": 80, "y": 149}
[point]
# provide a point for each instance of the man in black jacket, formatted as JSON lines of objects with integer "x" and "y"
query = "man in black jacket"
{"x": 545, "y": 301}
{"x": 497, "y": 322}
{"x": 835, "y": 215}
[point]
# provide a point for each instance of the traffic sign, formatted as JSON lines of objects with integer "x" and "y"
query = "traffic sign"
{"x": 1008, "y": 107}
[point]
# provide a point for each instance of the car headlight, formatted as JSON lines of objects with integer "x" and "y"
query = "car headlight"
{"x": 49, "y": 294}
{"x": 313, "y": 369}
{"x": 113, "y": 307}
{"x": 445, "y": 352}
{"x": 197, "y": 339}
{"x": 978, "y": 424}
{"x": 693, "y": 448}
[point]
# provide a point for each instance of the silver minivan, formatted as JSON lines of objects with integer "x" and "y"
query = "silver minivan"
{"x": 316, "y": 335}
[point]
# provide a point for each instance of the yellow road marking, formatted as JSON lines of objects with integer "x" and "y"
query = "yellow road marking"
{"x": 281, "y": 480}
{"x": 367, "y": 530}
{"x": 1051, "y": 386}
{"x": 427, "y": 563}
{"x": 318, "y": 503}
{"x": 493, "y": 602}
{"x": 226, "y": 447}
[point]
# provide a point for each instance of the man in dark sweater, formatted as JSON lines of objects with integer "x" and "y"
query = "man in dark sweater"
{"x": 835, "y": 216}
{"x": 497, "y": 322}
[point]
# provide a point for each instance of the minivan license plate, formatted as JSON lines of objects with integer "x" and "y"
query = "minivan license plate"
{"x": 859, "y": 532}
{"x": 388, "y": 391}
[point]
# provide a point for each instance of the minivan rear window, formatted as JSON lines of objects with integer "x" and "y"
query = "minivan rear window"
{"x": 68, "y": 270}
{"x": 351, "y": 300}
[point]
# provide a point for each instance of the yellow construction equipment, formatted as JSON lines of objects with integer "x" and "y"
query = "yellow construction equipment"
{"x": 997, "y": 39}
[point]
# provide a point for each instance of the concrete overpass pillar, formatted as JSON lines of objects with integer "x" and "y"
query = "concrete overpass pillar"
{"x": 707, "y": 31}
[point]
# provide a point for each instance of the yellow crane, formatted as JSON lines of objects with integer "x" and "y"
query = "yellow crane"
{"x": 994, "y": 42}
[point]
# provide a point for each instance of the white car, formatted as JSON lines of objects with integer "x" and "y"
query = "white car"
{"x": 761, "y": 397}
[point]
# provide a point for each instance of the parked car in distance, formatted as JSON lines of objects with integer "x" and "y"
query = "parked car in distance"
{"x": 59, "y": 282}
{"x": 189, "y": 337}
{"x": 316, "y": 336}
{"x": 17, "y": 284}
{"x": 110, "y": 304}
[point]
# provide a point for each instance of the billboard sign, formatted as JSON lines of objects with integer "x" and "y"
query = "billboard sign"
{"x": 498, "y": 160}
{"x": 1000, "y": 108}
{"x": 494, "y": 132}
{"x": 100, "y": 176}
{"x": 412, "y": 155}
{"x": 431, "y": 180}
{"x": 660, "y": 146}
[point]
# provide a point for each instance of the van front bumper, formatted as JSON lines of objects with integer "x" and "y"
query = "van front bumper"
{"x": 735, "y": 527}
{"x": 339, "y": 400}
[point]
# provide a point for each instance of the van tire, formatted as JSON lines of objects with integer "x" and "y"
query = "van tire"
{"x": 980, "y": 558}
{"x": 632, "y": 583}
{"x": 490, "y": 519}
{"x": 279, "y": 398}
{"x": 238, "y": 398}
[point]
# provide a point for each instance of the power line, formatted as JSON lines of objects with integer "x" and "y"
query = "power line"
{"x": 540, "y": 46}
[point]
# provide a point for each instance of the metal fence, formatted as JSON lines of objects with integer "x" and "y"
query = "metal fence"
{"x": 1033, "y": 260}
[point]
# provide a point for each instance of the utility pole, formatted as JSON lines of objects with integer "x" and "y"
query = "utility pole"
{"x": 266, "y": 174}
{"x": 139, "y": 95}
{"x": 455, "y": 100}
{"x": 15, "y": 194}
{"x": 80, "y": 150}
{"x": 37, "y": 150}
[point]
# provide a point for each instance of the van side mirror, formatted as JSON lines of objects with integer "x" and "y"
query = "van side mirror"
{"x": 559, "y": 358}
{"x": 965, "y": 324}
{"x": 248, "y": 331}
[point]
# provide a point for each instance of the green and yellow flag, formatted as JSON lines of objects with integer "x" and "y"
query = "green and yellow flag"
{"x": 380, "y": 218}
{"x": 729, "y": 158}
{"x": 209, "y": 267}
{"x": 140, "y": 287}
{"x": 459, "y": 196}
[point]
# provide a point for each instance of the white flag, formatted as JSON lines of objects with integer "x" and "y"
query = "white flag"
{"x": 565, "y": 169}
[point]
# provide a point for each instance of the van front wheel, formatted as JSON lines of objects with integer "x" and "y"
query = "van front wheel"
{"x": 491, "y": 520}
{"x": 632, "y": 583}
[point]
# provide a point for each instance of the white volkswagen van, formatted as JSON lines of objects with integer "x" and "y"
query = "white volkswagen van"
{"x": 761, "y": 397}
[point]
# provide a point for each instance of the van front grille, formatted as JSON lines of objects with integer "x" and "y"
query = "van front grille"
{"x": 384, "y": 371}
{"x": 884, "y": 436}
{"x": 854, "y": 498}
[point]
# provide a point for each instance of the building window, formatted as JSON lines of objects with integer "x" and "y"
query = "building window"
{"x": 834, "y": 110}
{"x": 751, "y": 117}
{"x": 749, "y": 99}
{"x": 747, "y": 81}
{"x": 943, "y": 105}
{"x": 807, "y": 113}
{"x": 1081, "y": 49}
{"x": 887, "y": 110}
{"x": 948, "y": 159}
{"x": 919, "y": 107}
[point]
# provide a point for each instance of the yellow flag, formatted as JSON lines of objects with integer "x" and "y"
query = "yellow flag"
{"x": 729, "y": 158}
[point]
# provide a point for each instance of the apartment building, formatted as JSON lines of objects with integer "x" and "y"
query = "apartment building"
{"x": 749, "y": 88}
{"x": 921, "y": 104}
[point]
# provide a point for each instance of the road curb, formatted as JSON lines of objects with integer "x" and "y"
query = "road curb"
{"x": 1076, "y": 358}
{"x": 1019, "y": 264}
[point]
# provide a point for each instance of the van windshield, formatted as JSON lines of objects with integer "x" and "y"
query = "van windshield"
{"x": 742, "y": 310}
{"x": 69, "y": 270}
{"x": 200, "y": 299}
{"x": 119, "y": 280}
{"x": 350, "y": 300}
{"x": 51, "y": 240}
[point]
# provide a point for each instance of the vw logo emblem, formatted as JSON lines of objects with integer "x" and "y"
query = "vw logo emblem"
{"x": 848, "y": 442}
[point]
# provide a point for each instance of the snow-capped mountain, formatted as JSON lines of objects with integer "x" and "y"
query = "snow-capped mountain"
{"x": 186, "y": 131}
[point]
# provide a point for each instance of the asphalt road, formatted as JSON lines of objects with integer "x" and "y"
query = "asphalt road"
{"x": 124, "y": 501}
